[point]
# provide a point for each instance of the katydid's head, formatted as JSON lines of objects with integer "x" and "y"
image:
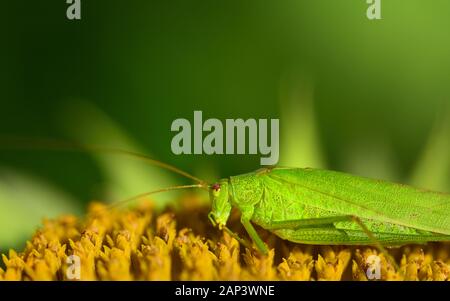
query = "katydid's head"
{"x": 220, "y": 203}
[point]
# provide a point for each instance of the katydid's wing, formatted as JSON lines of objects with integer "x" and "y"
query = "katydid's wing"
{"x": 362, "y": 197}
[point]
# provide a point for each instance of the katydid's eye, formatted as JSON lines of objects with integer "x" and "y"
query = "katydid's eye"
{"x": 216, "y": 189}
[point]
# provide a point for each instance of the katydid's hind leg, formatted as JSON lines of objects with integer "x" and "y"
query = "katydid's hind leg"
{"x": 254, "y": 236}
{"x": 375, "y": 241}
{"x": 300, "y": 223}
{"x": 296, "y": 224}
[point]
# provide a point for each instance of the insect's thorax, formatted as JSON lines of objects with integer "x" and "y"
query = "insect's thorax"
{"x": 269, "y": 200}
{"x": 245, "y": 190}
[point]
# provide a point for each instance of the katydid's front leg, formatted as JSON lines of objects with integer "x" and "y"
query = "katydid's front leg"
{"x": 236, "y": 236}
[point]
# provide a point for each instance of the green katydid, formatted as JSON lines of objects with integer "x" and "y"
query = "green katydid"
{"x": 312, "y": 206}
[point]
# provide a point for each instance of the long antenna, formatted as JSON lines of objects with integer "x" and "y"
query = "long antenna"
{"x": 118, "y": 203}
{"x": 49, "y": 144}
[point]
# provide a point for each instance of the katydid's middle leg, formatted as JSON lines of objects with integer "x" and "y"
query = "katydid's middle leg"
{"x": 254, "y": 235}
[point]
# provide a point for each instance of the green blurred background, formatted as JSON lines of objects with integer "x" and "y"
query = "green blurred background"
{"x": 366, "y": 97}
